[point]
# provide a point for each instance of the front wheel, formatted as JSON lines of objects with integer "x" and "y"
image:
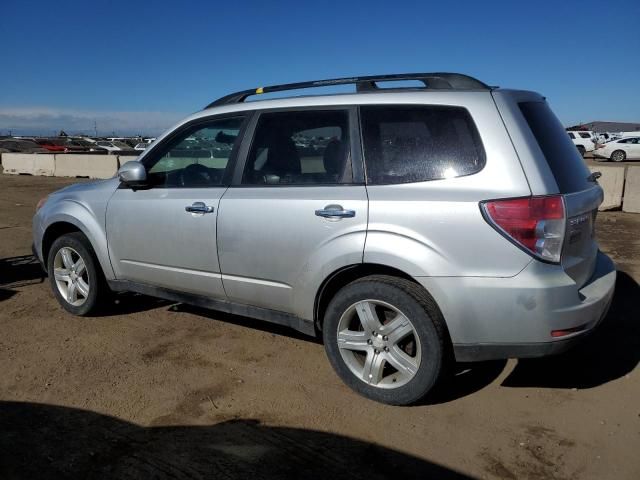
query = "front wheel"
{"x": 618, "y": 156}
{"x": 384, "y": 336}
{"x": 582, "y": 150}
{"x": 76, "y": 278}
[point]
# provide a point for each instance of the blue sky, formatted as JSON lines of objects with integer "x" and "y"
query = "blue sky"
{"x": 140, "y": 66}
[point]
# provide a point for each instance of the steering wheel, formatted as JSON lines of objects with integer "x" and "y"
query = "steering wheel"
{"x": 195, "y": 175}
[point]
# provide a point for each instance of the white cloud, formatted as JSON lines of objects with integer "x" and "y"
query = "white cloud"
{"x": 46, "y": 121}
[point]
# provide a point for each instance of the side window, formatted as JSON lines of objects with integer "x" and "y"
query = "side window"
{"x": 409, "y": 143}
{"x": 571, "y": 135}
{"x": 300, "y": 148}
{"x": 197, "y": 157}
{"x": 585, "y": 135}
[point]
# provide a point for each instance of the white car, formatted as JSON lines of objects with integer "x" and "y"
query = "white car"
{"x": 620, "y": 150}
{"x": 584, "y": 141}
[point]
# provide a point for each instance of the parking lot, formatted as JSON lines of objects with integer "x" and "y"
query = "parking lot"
{"x": 155, "y": 389}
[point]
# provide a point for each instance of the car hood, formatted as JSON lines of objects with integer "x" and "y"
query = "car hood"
{"x": 96, "y": 185}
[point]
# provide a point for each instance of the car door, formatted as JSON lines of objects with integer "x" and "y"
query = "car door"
{"x": 164, "y": 235}
{"x": 296, "y": 210}
{"x": 633, "y": 148}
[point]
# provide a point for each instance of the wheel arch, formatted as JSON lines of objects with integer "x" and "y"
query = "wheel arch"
{"x": 345, "y": 275}
{"x": 64, "y": 224}
{"x": 53, "y": 231}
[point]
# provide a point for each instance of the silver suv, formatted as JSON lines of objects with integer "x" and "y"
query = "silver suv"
{"x": 409, "y": 227}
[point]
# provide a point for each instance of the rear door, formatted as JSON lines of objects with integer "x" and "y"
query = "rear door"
{"x": 554, "y": 166}
{"x": 296, "y": 211}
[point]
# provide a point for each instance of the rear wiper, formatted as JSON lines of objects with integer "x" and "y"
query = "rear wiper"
{"x": 594, "y": 177}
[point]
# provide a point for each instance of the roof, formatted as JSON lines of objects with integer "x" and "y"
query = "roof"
{"x": 432, "y": 81}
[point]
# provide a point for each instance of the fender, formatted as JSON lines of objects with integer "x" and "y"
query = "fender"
{"x": 80, "y": 217}
{"x": 85, "y": 212}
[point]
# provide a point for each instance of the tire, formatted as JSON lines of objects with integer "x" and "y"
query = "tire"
{"x": 618, "y": 156}
{"x": 415, "y": 340}
{"x": 78, "y": 289}
{"x": 582, "y": 150}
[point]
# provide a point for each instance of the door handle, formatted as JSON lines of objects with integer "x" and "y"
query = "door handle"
{"x": 198, "y": 207}
{"x": 335, "y": 211}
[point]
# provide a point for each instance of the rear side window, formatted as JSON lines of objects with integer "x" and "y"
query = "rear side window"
{"x": 585, "y": 135}
{"x": 561, "y": 154}
{"x": 407, "y": 143}
{"x": 300, "y": 148}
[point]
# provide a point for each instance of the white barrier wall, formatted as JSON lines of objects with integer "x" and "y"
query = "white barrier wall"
{"x": 612, "y": 182}
{"x": 632, "y": 191}
{"x": 92, "y": 166}
{"x": 29, "y": 163}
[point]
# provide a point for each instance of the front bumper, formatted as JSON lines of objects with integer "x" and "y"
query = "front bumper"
{"x": 497, "y": 318}
{"x": 35, "y": 253}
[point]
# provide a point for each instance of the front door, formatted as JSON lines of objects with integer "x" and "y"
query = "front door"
{"x": 633, "y": 148}
{"x": 296, "y": 211}
{"x": 165, "y": 234}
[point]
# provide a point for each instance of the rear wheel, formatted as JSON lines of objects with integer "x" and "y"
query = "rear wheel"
{"x": 76, "y": 278}
{"x": 384, "y": 336}
{"x": 618, "y": 156}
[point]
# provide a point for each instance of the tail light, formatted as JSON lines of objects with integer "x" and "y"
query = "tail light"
{"x": 536, "y": 224}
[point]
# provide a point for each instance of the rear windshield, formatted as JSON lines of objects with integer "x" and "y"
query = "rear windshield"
{"x": 563, "y": 158}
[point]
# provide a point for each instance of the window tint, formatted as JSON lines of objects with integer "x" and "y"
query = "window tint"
{"x": 571, "y": 135}
{"x": 302, "y": 147}
{"x": 585, "y": 135}
{"x": 408, "y": 143}
{"x": 563, "y": 158}
{"x": 198, "y": 157}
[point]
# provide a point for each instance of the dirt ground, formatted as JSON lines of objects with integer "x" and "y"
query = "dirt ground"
{"x": 152, "y": 389}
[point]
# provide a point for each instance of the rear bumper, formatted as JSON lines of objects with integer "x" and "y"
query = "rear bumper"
{"x": 514, "y": 317}
{"x": 489, "y": 351}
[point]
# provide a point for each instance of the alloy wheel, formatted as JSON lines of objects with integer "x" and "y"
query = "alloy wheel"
{"x": 618, "y": 156}
{"x": 379, "y": 344}
{"x": 71, "y": 276}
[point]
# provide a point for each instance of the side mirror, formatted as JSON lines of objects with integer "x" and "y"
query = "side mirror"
{"x": 133, "y": 174}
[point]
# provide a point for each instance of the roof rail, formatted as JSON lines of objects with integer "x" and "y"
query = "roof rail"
{"x": 438, "y": 81}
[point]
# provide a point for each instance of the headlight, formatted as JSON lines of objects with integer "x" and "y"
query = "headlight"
{"x": 41, "y": 202}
